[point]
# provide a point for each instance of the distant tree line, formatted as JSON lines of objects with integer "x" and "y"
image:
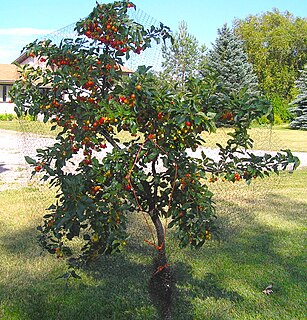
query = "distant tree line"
{"x": 260, "y": 55}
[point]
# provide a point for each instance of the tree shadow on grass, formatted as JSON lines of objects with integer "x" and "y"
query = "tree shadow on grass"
{"x": 190, "y": 288}
{"x": 269, "y": 241}
{"x": 252, "y": 243}
{"x": 2, "y": 167}
{"x": 113, "y": 288}
{"x": 116, "y": 287}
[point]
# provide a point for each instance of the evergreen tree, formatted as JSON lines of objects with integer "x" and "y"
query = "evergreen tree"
{"x": 300, "y": 109}
{"x": 183, "y": 58}
{"x": 229, "y": 62}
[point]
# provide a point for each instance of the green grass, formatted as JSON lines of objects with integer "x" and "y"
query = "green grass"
{"x": 266, "y": 138}
{"x": 28, "y": 126}
{"x": 262, "y": 239}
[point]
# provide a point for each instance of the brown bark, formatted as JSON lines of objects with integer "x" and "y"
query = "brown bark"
{"x": 160, "y": 238}
{"x": 162, "y": 282}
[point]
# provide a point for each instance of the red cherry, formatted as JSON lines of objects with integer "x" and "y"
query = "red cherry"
{"x": 138, "y": 50}
{"x": 87, "y": 161}
{"x": 38, "y": 168}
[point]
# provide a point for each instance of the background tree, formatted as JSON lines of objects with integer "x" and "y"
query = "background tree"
{"x": 229, "y": 62}
{"x": 276, "y": 46}
{"x": 152, "y": 174}
{"x": 183, "y": 58}
{"x": 300, "y": 102}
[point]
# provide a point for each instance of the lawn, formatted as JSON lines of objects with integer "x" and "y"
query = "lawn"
{"x": 28, "y": 126}
{"x": 266, "y": 138}
{"x": 262, "y": 239}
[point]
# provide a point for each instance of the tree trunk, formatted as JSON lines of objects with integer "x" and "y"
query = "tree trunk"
{"x": 161, "y": 283}
{"x": 160, "y": 237}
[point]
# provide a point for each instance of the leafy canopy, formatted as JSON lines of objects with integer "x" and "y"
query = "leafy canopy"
{"x": 276, "y": 46}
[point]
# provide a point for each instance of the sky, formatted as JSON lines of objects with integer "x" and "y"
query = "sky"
{"x": 23, "y": 21}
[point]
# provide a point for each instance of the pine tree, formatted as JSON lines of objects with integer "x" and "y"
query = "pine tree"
{"x": 182, "y": 59}
{"x": 300, "y": 109}
{"x": 229, "y": 62}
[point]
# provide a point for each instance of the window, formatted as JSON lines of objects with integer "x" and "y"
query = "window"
{"x": 4, "y": 93}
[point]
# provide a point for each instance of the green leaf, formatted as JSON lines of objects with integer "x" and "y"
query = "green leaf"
{"x": 30, "y": 160}
{"x": 74, "y": 274}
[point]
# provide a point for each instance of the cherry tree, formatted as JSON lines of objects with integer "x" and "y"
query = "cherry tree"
{"x": 89, "y": 100}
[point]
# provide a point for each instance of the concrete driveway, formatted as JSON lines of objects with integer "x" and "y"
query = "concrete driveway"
{"x": 15, "y": 172}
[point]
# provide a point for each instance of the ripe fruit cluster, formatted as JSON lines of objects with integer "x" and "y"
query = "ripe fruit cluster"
{"x": 181, "y": 134}
{"x": 229, "y": 177}
{"x": 128, "y": 100}
{"x": 39, "y": 166}
{"x": 227, "y": 116}
{"x": 187, "y": 180}
{"x": 63, "y": 61}
{"x": 108, "y": 29}
{"x": 90, "y": 84}
{"x": 54, "y": 103}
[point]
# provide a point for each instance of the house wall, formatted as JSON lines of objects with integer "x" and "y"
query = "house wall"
{"x": 7, "y": 108}
{"x": 5, "y": 105}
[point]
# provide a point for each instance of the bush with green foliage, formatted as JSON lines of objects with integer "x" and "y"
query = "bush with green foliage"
{"x": 7, "y": 117}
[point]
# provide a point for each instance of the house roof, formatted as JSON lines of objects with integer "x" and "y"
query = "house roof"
{"x": 22, "y": 59}
{"x": 8, "y": 73}
{"x": 126, "y": 70}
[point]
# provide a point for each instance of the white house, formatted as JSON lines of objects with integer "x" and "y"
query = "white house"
{"x": 8, "y": 75}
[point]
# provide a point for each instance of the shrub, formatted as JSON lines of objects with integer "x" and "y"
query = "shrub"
{"x": 280, "y": 109}
{"x": 7, "y": 117}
